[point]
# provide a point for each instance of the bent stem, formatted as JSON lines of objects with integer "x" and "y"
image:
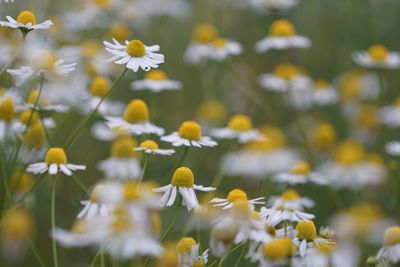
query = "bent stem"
{"x": 53, "y": 221}
{"x": 145, "y": 163}
{"x": 77, "y": 131}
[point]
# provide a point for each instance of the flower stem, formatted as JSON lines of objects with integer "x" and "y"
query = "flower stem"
{"x": 53, "y": 221}
{"x": 145, "y": 163}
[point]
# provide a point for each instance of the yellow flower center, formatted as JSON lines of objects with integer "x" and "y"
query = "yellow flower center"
{"x": 56, "y": 155}
{"x": 225, "y": 234}
{"x": 136, "y": 112}
{"x": 123, "y": 148}
{"x": 306, "y": 230}
{"x": 35, "y": 136}
{"x": 43, "y": 60}
{"x": 94, "y": 197}
{"x": 136, "y": 48}
{"x": 91, "y": 48}
{"x": 286, "y": 71}
{"x": 321, "y": 84}
{"x": 198, "y": 263}
{"x": 391, "y": 236}
{"x": 21, "y": 181}
{"x": 205, "y": 33}
{"x": 185, "y": 245}
{"x": 156, "y": 75}
{"x": 7, "y": 109}
{"x": 190, "y": 130}
{"x": 99, "y": 87}
{"x": 149, "y": 144}
{"x": 33, "y": 96}
{"x": 240, "y": 123}
{"x": 278, "y": 249}
{"x": 16, "y": 224}
{"x": 282, "y": 28}
{"x": 301, "y": 167}
{"x": 212, "y": 111}
{"x": 236, "y": 194}
{"x": 274, "y": 139}
{"x": 26, "y": 17}
{"x": 183, "y": 177}
{"x": 290, "y": 195}
{"x": 378, "y": 52}
{"x": 326, "y": 248}
{"x": 120, "y": 31}
{"x": 25, "y": 115}
{"x": 102, "y": 3}
{"x": 219, "y": 42}
{"x": 79, "y": 227}
{"x": 349, "y": 153}
{"x": 241, "y": 209}
{"x": 324, "y": 137}
{"x": 121, "y": 221}
{"x": 131, "y": 191}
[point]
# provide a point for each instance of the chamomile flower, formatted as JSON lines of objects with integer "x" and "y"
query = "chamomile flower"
{"x": 30, "y": 117}
{"x": 26, "y": 21}
{"x": 286, "y": 77}
{"x": 307, "y": 237}
{"x": 377, "y": 57}
{"x": 221, "y": 239}
{"x": 182, "y": 182}
{"x": 233, "y": 195}
{"x": 391, "y": 245}
{"x": 239, "y": 127}
{"x": 135, "y": 120}
{"x": 274, "y": 253}
{"x": 390, "y": 115}
{"x": 93, "y": 207}
{"x": 393, "y": 148}
{"x": 288, "y": 206}
{"x": 102, "y": 132}
{"x": 211, "y": 113}
{"x": 134, "y": 54}
{"x": 156, "y": 81}
{"x": 188, "y": 251}
{"x": 324, "y": 94}
{"x": 272, "y": 4}
{"x": 34, "y": 145}
{"x": 300, "y": 173}
{"x": 7, "y": 112}
{"x": 189, "y": 134}
{"x": 199, "y": 49}
{"x": 43, "y": 103}
{"x": 151, "y": 147}
{"x": 42, "y": 63}
{"x": 282, "y": 35}
{"x": 55, "y": 161}
{"x": 222, "y": 48}
{"x": 324, "y": 137}
{"x": 81, "y": 234}
{"x": 123, "y": 163}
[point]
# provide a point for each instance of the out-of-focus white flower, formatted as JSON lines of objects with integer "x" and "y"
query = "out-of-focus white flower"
{"x": 300, "y": 173}
{"x": 188, "y": 251}
{"x": 233, "y": 195}
{"x": 393, "y": 148}
{"x": 26, "y": 21}
{"x": 222, "y": 48}
{"x": 390, "y": 115}
{"x": 94, "y": 207}
{"x": 151, "y": 147}
{"x": 324, "y": 94}
{"x": 391, "y": 245}
{"x": 377, "y": 56}
{"x": 156, "y": 81}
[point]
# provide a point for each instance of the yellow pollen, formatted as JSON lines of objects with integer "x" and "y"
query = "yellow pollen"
{"x": 135, "y": 48}
{"x": 324, "y": 137}
{"x": 79, "y": 227}
{"x": 43, "y": 60}
{"x": 136, "y": 112}
{"x": 290, "y": 195}
{"x": 320, "y": 84}
{"x": 16, "y": 224}
{"x": 301, "y": 167}
{"x": 123, "y": 148}
{"x": 35, "y": 136}
{"x": 94, "y": 197}
{"x": 121, "y": 221}
{"x": 286, "y": 71}
{"x": 26, "y": 17}
{"x": 7, "y": 109}
{"x": 240, "y": 123}
{"x": 99, "y": 87}
{"x": 183, "y": 177}
{"x": 212, "y": 111}
{"x": 120, "y": 31}
{"x": 156, "y": 75}
{"x": 149, "y": 144}
{"x": 282, "y": 28}
{"x": 190, "y": 130}
{"x": 236, "y": 194}
{"x": 378, "y": 52}
{"x": 131, "y": 191}
{"x": 185, "y": 245}
{"x": 349, "y": 153}
{"x": 391, "y": 236}
{"x": 219, "y": 42}
{"x": 205, "y": 33}
{"x": 278, "y": 249}
{"x": 56, "y": 155}
{"x": 25, "y": 115}
{"x": 306, "y": 230}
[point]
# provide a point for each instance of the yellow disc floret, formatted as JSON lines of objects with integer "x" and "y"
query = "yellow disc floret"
{"x": 306, "y": 230}
{"x": 286, "y": 71}
{"x": 99, "y": 87}
{"x": 219, "y": 42}
{"x": 240, "y": 123}
{"x": 391, "y": 236}
{"x": 324, "y": 137}
{"x": 301, "y": 167}
{"x": 33, "y": 96}
{"x": 131, "y": 191}
{"x": 183, "y": 177}
{"x": 320, "y": 84}
{"x": 241, "y": 209}
{"x": 44, "y": 60}
{"x": 136, "y": 112}
{"x": 378, "y": 52}
{"x": 190, "y": 130}
{"x": 212, "y": 111}
{"x": 120, "y": 31}
{"x": 156, "y": 75}
{"x": 290, "y": 195}
{"x": 26, "y": 17}
{"x": 185, "y": 245}
{"x": 16, "y": 224}
{"x": 123, "y": 148}
{"x": 282, "y": 28}
{"x": 56, "y": 155}
{"x": 205, "y": 33}
{"x": 349, "y": 152}
{"x": 35, "y": 136}
{"x": 136, "y": 48}
{"x": 27, "y": 115}
{"x": 149, "y": 144}
{"x": 121, "y": 221}
{"x": 236, "y": 194}
{"x": 278, "y": 249}
{"x": 7, "y": 109}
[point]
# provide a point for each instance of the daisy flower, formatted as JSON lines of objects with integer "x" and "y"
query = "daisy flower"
{"x": 135, "y": 55}
{"x": 393, "y": 148}
{"x": 233, "y": 195}
{"x": 123, "y": 163}
{"x": 93, "y": 207}
{"x": 189, "y": 134}
{"x": 390, "y": 115}
{"x": 42, "y": 63}
{"x": 34, "y": 145}
{"x": 300, "y": 173}
{"x": 102, "y": 132}
{"x": 307, "y": 237}
{"x": 288, "y": 206}
{"x": 282, "y": 35}
{"x": 239, "y": 127}
{"x": 274, "y": 253}
{"x": 391, "y": 245}
{"x": 199, "y": 49}
{"x": 211, "y": 113}
{"x": 377, "y": 57}
{"x": 7, "y": 112}
{"x": 156, "y": 81}
{"x": 222, "y": 48}
{"x": 55, "y": 161}
{"x": 31, "y": 117}
{"x": 151, "y": 147}
{"x": 135, "y": 120}
{"x": 182, "y": 182}
{"x": 324, "y": 94}
{"x": 324, "y": 137}
{"x": 81, "y": 234}
{"x": 286, "y": 77}
{"x": 188, "y": 251}
{"x": 26, "y": 21}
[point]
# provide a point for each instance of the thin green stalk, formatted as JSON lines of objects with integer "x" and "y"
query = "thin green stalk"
{"x": 145, "y": 163}
{"x": 178, "y": 164}
{"x": 240, "y": 257}
{"x": 4, "y": 177}
{"x": 78, "y": 130}
{"x": 102, "y": 259}
{"x": 81, "y": 186}
{"x": 53, "y": 221}
{"x": 382, "y": 86}
{"x": 35, "y": 252}
{"x": 38, "y": 182}
{"x": 222, "y": 260}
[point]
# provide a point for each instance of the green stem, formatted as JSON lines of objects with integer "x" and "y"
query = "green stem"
{"x": 240, "y": 257}
{"x": 35, "y": 252}
{"x": 382, "y": 86}
{"x": 53, "y": 220}
{"x": 81, "y": 186}
{"x": 178, "y": 164}
{"x": 4, "y": 177}
{"x": 77, "y": 131}
{"x": 38, "y": 182}
{"x": 145, "y": 163}
{"x": 102, "y": 259}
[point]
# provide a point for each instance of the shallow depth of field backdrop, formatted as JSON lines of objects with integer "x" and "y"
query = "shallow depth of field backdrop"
{"x": 285, "y": 112}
